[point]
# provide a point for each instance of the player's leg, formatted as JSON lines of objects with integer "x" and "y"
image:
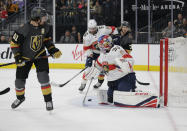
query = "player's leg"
{"x": 84, "y": 79}
{"x": 127, "y": 97}
{"x": 100, "y": 80}
{"x": 127, "y": 83}
{"x": 87, "y": 72}
{"x": 42, "y": 69}
{"x": 21, "y": 76}
{"x": 112, "y": 85}
{"x": 100, "y": 77}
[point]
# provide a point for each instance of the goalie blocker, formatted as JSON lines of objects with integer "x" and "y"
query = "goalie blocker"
{"x": 130, "y": 99}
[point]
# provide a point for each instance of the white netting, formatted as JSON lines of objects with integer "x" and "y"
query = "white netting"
{"x": 177, "y": 72}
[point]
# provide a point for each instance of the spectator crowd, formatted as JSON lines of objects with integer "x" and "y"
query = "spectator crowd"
{"x": 71, "y": 18}
{"x": 179, "y": 27}
{"x": 9, "y": 8}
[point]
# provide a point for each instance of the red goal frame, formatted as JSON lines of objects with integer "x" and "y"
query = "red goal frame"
{"x": 164, "y": 70}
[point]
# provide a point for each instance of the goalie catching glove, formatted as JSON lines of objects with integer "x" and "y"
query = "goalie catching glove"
{"x": 55, "y": 52}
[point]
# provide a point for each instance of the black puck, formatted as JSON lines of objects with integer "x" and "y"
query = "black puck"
{"x": 89, "y": 99}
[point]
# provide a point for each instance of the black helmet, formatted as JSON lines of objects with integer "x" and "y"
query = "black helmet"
{"x": 125, "y": 23}
{"x": 37, "y": 13}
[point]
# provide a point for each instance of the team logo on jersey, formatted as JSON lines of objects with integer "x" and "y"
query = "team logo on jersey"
{"x": 95, "y": 46}
{"x": 36, "y": 43}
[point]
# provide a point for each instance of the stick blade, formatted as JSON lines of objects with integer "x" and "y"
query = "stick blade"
{"x": 58, "y": 85}
{"x": 142, "y": 83}
{"x": 61, "y": 85}
{"x": 5, "y": 91}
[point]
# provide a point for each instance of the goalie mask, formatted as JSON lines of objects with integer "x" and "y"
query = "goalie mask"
{"x": 105, "y": 43}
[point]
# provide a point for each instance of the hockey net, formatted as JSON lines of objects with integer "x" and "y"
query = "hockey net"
{"x": 173, "y": 71}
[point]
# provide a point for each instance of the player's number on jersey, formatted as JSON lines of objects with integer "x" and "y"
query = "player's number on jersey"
{"x": 115, "y": 48}
{"x": 15, "y": 37}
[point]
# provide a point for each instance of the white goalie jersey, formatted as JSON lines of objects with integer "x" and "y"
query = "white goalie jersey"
{"x": 90, "y": 40}
{"x": 120, "y": 63}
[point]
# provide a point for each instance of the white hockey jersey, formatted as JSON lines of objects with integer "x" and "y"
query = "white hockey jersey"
{"x": 90, "y": 40}
{"x": 119, "y": 61}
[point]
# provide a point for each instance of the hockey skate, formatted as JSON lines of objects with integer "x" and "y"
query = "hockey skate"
{"x": 17, "y": 102}
{"x": 49, "y": 105}
{"x": 97, "y": 85}
{"x": 81, "y": 88}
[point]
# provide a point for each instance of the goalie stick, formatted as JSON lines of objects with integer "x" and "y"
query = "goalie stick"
{"x": 5, "y": 91}
{"x": 61, "y": 85}
{"x": 142, "y": 83}
{"x": 83, "y": 102}
{"x": 139, "y": 82}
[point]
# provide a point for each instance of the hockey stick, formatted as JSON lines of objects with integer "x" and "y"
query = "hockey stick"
{"x": 139, "y": 82}
{"x": 142, "y": 83}
{"x": 83, "y": 102}
{"x": 61, "y": 85}
{"x": 11, "y": 63}
{"x": 5, "y": 91}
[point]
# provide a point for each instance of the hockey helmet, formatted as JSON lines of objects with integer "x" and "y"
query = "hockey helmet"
{"x": 105, "y": 43}
{"x": 125, "y": 23}
{"x": 92, "y": 26}
{"x": 37, "y": 13}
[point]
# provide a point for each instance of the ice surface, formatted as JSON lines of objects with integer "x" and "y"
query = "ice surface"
{"x": 70, "y": 115}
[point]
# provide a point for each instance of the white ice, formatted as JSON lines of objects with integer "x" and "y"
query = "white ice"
{"x": 70, "y": 115}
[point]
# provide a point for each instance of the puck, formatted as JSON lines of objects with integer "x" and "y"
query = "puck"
{"x": 89, "y": 99}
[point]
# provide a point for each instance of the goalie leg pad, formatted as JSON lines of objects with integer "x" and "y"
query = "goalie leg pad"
{"x": 102, "y": 96}
{"x": 135, "y": 99}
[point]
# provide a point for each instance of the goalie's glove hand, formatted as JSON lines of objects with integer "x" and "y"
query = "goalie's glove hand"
{"x": 19, "y": 61}
{"x": 55, "y": 52}
{"x": 89, "y": 61}
{"x": 105, "y": 67}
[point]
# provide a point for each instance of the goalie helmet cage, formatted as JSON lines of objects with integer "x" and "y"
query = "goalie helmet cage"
{"x": 173, "y": 71}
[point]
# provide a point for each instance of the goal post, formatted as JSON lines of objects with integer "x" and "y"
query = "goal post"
{"x": 173, "y": 71}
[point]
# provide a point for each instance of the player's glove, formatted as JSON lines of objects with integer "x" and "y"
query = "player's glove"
{"x": 105, "y": 67}
{"x": 55, "y": 52}
{"x": 89, "y": 61}
{"x": 19, "y": 61}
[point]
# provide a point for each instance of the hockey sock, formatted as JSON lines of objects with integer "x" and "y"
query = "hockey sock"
{"x": 46, "y": 91}
{"x": 101, "y": 78}
{"x": 20, "y": 93}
